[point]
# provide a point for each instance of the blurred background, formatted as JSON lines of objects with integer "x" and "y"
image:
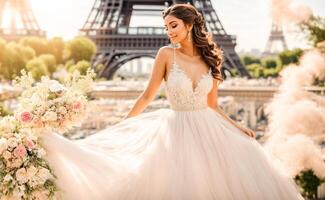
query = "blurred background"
{"x": 274, "y": 65}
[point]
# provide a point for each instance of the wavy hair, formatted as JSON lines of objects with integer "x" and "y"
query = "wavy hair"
{"x": 202, "y": 40}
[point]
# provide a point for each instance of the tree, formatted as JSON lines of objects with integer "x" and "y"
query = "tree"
{"x": 81, "y": 48}
{"x": 14, "y": 58}
{"x": 309, "y": 182}
{"x": 247, "y": 60}
{"x": 315, "y": 29}
{"x": 270, "y": 62}
{"x": 49, "y": 61}
{"x": 81, "y": 66}
{"x": 38, "y": 68}
{"x": 39, "y": 45}
{"x": 256, "y": 70}
{"x": 290, "y": 56}
{"x": 57, "y": 47}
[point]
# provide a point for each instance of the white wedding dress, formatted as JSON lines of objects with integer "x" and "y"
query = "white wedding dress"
{"x": 188, "y": 152}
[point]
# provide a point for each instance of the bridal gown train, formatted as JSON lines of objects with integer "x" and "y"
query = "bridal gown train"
{"x": 188, "y": 152}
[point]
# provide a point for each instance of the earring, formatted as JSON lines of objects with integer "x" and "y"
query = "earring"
{"x": 189, "y": 36}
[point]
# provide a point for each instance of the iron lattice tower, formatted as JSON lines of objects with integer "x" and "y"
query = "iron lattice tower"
{"x": 275, "y": 37}
{"x": 108, "y": 25}
{"x": 17, "y": 20}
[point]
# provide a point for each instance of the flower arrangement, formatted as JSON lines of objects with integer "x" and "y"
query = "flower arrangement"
{"x": 49, "y": 104}
{"x": 24, "y": 172}
{"x": 43, "y": 106}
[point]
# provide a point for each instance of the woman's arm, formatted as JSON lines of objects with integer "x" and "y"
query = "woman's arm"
{"x": 213, "y": 103}
{"x": 157, "y": 75}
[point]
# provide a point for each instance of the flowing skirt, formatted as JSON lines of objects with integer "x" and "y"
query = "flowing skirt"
{"x": 168, "y": 155}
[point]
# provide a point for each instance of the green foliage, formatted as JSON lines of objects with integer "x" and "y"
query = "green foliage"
{"x": 309, "y": 182}
{"x": 38, "y": 68}
{"x": 81, "y": 48}
{"x": 50, "y": 54}
{"x": 50, "y": 62}
{"x": 38, "y": 44}
{"x": 13, "y": 59}
{"x": 287, "y": 57}
{"x": 57, "y": 47}
{"x": 4, "y": 111}
{"x": 270, "y": 62}
{"x": 247, "y": 60}
{"x": 255, "y": 70}
{"x": 81, "y": 66}
{"x": 315, "y": 29}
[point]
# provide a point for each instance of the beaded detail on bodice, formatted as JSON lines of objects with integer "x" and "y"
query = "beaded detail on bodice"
{"x": 180, "y": 92}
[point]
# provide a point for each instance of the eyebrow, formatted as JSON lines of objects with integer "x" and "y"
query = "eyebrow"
{"x": 170, "y": 22}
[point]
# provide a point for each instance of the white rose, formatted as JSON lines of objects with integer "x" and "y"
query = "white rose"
{"x": 6, "y": 155}
{"x": 21, "y": 175}
{"x": 41, "y": 153}
{"x": 12, "y": 142}
{"x": 17, "y": 162}
{"x": 50, "y": 116}
{"x": 62, "y": 110}
{"x": 33, "y": 182}
{"x": 19, "y": 192}
{"x": 44, "y": 174}
{"x": 40, "y": 195}
{"x": 3, "y": 145}
{"x": 56, "y": 86}
{"x": 31, "y": 171}
{"x": 35, "y": 99}
{"x": 7, "y": 178}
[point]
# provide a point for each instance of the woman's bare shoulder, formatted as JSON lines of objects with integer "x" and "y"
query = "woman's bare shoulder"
{"x": 165, "y": 51}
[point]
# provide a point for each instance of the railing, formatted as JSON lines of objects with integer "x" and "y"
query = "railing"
{"x": 124, "y": 30}
{"x": 141, "y": 30}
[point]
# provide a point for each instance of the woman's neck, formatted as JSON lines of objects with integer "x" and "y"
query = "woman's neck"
{"x": 188, "y": 48}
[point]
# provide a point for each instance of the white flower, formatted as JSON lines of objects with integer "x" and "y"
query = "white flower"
{"x": 31, "y": 171}
{"x": 35, "y": 99}
{"x": 17, "y": 162}
{"x": 21, "y": 175}
{"x": 6, "y": 155}
{"x": 12, "y": 142}
{"x": 3, "y": 145}
{"x": 41, "y": 153}
{"x": 8, "y": 178}
{"x": 55, "y": 86}
{"x": 62, "y": 110}
{"x": 19, "y": 191}
{"x": 44, "y": 174}
{"x": 40, "y": 195}
{"x": 50, "y": 116}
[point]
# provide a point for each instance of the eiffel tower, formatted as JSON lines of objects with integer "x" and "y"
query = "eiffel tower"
{"x": 275, "y": 37}
{"x": 17, "y": 20}
{"x": 108, "y": 25}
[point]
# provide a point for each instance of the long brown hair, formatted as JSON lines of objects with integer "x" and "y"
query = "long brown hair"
{"x": 209, "y": 50}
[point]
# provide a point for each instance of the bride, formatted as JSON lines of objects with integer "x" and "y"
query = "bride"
{"x": 192, "y": 151}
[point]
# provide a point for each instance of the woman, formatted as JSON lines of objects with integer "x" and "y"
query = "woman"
{"x": 191, "y": 151}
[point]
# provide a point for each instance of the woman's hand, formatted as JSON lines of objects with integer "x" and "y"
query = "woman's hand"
{"x": 248, "y": 132}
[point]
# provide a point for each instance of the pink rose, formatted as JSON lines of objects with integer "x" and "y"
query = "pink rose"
{"x": 76, "y": 105}
{"x": 30, "y": 144}
{"x": 26, "y": 116}
{"x": 20, "y": 151}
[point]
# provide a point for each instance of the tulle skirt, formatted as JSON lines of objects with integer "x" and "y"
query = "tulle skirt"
{"x": 168, "y": 155}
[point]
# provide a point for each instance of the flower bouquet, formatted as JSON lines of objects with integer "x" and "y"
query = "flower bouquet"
{"x": 44, "y": 106}
{"x": 24, "y": 173}
{"x": 49, "y": 104}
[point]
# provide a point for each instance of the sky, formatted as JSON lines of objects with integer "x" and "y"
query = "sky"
{"x": 249, "y": 20}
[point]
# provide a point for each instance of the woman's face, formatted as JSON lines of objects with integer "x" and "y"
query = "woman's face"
{"x": 176, "y": 29}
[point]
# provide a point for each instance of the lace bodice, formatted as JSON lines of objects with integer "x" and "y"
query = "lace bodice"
{"x": 180, "y": 92}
